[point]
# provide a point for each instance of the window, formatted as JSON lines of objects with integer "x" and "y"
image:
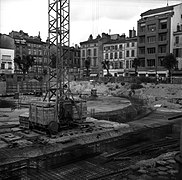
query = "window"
{"x": 133, "y": 44}
{"x": 151, "y": 39}
{"x": 40, "y": 52}
{"x": 6, "y": 57}
{"x": 151, "y": 50}
{"x": 142, "y": 62}
{"x": 121, "y": 64}
{"x": 127, "y": 53}
{"x": 151, "y": 27}
{"x": 120, "y": 55}
{"x": 29, "y": 51}
{"x": 177, "y": 39}
{"x": 142, "y": 39}
{"x": 116, "y": 47}
{"x": 2, "y": 65}
{"x": 115, "y": 55}
{"x": 151, "y": 62}
{"x": 162, "y": 37}
{"x": 95, "y": 52}
{"x": 89, "y": 52}
{"x": 142, "y": 27}
{"x": 83, "y": 53}
{"x": 106, "y": 56}
{"x": 127, "y": 64}
{"x": 162, "y": 49}
{"x": 34, "y": 52}
{"x": 133, "y": 53}
{"x": 112, "y": 47}
{"x": 161, "y": 61}
{"x": 163, "y": 24}
{"x": 111, "y": 55}
{"x": 178, "y": 52}
{"x": 120, "y": 46}
{"x": 142, "y": 50}
{"x": 116, "y": 65}
{"x": 95, "y": 62}
{"x": 9, "y": 65}
{"x": 128, "y": 44}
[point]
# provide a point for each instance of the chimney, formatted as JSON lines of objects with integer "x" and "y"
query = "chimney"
{"x": 130, "y": 33}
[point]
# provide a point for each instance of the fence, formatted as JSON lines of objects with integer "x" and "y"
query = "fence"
{"x": 24, "y": 87}
{"x": 31, "y": 87}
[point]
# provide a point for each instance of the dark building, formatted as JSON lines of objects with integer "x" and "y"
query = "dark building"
{"x": 31, "y": 45}
{"x": 155, "y": 38}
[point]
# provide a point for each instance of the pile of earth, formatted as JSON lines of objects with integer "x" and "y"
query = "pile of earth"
{"x": 166, "y": 95}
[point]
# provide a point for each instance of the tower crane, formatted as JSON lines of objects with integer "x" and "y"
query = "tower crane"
{"x": 58, "y": 100}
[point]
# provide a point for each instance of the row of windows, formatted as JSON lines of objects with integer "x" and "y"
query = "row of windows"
{"x": 89, "y": 52}
{"x": 152, "y": 62}
{"x": 35, "y": 52}
{"x": 115, "y": 55}
{"x": 34, "y": 45}
{"x": 113, "y": 47}
{"x": 89, "y": 45}
{"x": 7, "y": 65}
{"x": 153, "y": 39}
{"x": 152, "y": 27}
{"x": 152, "y": 50}
{"x": 120, "y": 46}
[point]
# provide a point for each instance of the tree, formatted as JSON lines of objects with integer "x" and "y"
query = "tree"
{"x": 87, "y": 65}
{"x": 106, "y": 65}
{"x": 136, "y": 64}
{"x": 169, "y": 62}
{"x": 24, "y": 63}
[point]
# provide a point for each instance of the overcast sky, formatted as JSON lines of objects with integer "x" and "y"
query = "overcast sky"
{"x": 87, "y": 16}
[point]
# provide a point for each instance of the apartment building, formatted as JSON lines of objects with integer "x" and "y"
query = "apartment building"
{"x": 114, "y": 52}
{"x": 177, "y": 50}
{"x": 6, "y": 55}
{"x": 92, "y": 49}
{"x": 130, "y": 53}
{"x": 155, "y": 38}
{"x": 120, "y": 51}
{"x": 30, "y": 45}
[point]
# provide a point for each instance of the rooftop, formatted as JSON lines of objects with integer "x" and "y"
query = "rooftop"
{"x": 159, "y": 10}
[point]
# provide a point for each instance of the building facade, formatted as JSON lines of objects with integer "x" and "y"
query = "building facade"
{"x": 34, "y": 46}
{"x": 114, "y": 52}
{"x": 7, "y": 52}
{"x": 92, "y": 49}
{"x": 155, "y": 38}
{"x": 120, "y": 51}
{"x": 130, "y": 53}
{"x": 75, "y": 62}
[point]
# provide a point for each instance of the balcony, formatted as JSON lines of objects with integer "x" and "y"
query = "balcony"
{"x": 163, "y": 30}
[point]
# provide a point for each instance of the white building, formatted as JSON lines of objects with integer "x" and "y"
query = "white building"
{"x": 6, "y": 54}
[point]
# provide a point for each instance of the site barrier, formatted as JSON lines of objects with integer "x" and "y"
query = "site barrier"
{"x": 25, "y": 87}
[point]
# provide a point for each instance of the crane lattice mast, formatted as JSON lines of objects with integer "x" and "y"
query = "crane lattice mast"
{"x": 59, "y": 39}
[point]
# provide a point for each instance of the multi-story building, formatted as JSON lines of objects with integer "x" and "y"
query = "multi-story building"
{"x": 120, "y": 51}
{"x": 178, "y": 47}
{"x": 130, "y": 53}
{"x": 29, "y": 45}
{"x": 92, "y": 49}
{"x": 7, "y": 47}
{"x": 75, "y": 62}
{"x": 114, "y": 52}
{"x": 155, "y": 38}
